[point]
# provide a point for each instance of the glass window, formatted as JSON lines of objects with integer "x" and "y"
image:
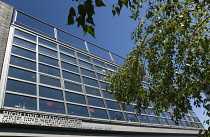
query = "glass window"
{"x": 22, "y": 63}
{"x": 131, "y": 117}
{"x": 97, "y": 62}
{"x": 49, "y": 70}
{"x": 48, "y": 60}
{"x": 71, "y": 76}
{"x": 21, "y": 87}
{"x": 86, "y": 65}
{"x": 100, "y": 70}
{"x": 73, "y": 86}
{"x": 68, "y": 58}
{"x": 95, "y": 102}
{"x": 167, "y": 114}
{"x": 98, "y": 113}
{"x": 47, "y": 51}
{"x": 101, "y": 77}
{"x": 51, "y": 106}
{"x": 200, "y": 125}
{"x": 21, "y": 102}
{"x": 163, "y": 121}
{"x": 114, "y": 115}
{"x": 23, "y": 53}
{"x": 112, "y": 105}
{"x": 25, "y": 35}
{"x": 50, "y": 93}
{"x": 193, "y": 114}
{"x": 160, "y": 114}
{"x": 129, "y": 108}
{"x": 24, "y": 43}
{"x": 93, "y": 91}
{"x": 111, "y": 67}
{"x": 47, "y": 43}
{"x": 22, "y": 74}
{"x": 179, "y": 123}
{"x": 143, "y": 119}
{"x": 154, "y": 120}
{"x": 69, "y": 67}
{"x": 150, "y": 111}
{"x": 84, "y": 57}
{"x": 88, "y": 73}
{"x": 141, "y": 111}
{"x": 171, "y": 122}
{"x": 185, "y": 123}
{"x": 67, "y": 51}
{"x": 50, "y": 81}
{"x": 103, "y": 85}
{"x": 77, "y": 110}
{"x": 196, "y": 119}
{"x": 187, "y": 118}
{"x": 108, "y": 95}
{"x": 191, "y": 124}
{"x": 90, "y": 81}
{"x": 77, "y": 98}
{"x": 171, "y": 109}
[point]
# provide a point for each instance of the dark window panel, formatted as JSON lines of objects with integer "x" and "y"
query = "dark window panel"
{"x": 21, "y": 87}
{"x": 48, "y": 60}
{"x": 89, "y": 81}
{"x": 141, "y": 111}
{"x": 179, "y": 123}
{"x": 84, "y": 57}
{"x": 73, "y": 86}
{"x": 129, "y": 108}
{"x": 98, "y": 113}
{"x": 112, "y": 105}
{"x": 131, "y": 117}
{"x": 24, "y": 43}
{"x": 71, "y": 76}
{"x": 77, "y": 110}
{"x": 93, "y": 91}
{"x": 163, "y": 121}
{"x": 25, "y": 35}
{"x": 51, "y": 106}
{"x": 150, "y": 111}
{"x": 114, "y": 115}
{"x": 21, "y": 102}
{"x": 97, "y": 62}
{"x": 50, "y": 81}
{"x": 23, "y": 53}
{"x": 86, "y": 65}
{"x": 88, "y": 73}
{"x": 50, "y": 93}
{"x": 111, "y": 67}
{"x": 68, "y": 58}
{"x": 167, "y": 114}
{"x": 69, "y": 67}
{"x": 154, "y": 120}
{"x": 22, "y": 74}
{"x": 47, "y": 51}
{"x": 49, "y": 70}
{"x": 103, "y": 85}
{"x": 143, "y": 119}
{"x": 22, "y": 63}
{"x": 77, "y": 98}
{"x": 95, "y": 102}
{"x": 108, "y": 95}
{"x": 47, "y": 43}
{"x": 185, "y": 123}
{"x": 67, "y": 51}
{"x": 196, "y": 119}
{"x": 100, "y": 70}
{"x": 171, "y": 122}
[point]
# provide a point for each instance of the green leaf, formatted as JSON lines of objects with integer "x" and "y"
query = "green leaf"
{"x": 80, "y": 21}
{"x": 117, "y": 9}
{"x": 113, "y": 12}
{"x": 81, "y": 10}
{"x": 70, "y": 20}
{"x": 72, "y": 12}
{"x": 99, "y": 3}
{"x": 91, "y": 31}
{"x": 90, "y": 20}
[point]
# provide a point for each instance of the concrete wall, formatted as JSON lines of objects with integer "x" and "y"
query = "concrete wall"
{"x": 6, "y": 12}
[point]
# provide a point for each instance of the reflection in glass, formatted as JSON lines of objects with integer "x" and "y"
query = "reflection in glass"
{"x": 50, "y": 81}
{"x": 47, "y": 51}
{"x": 150, "y": 111}
{"x": 51, "y": 106}
{"x": 103, "y": 85}
{"x": 81, "y": 56}
{"x": 154, "y": 120}
{"x": 47, "y": 43}
{"x": 90, "y": 81}
{"x": 167, "y": 114}
{"x": 101, "y": 77}
{"x": 73, "y": 86}
{"x": 25, "y": 35}
{"x": 24, "y": 43}
{"x": 143, "y": 119}
{"x": 131, "y": 117}
{"x": 21, "y": 87}
{"x": 93, "y": 91}
{"x": 77, "y": 110}
{"x": 68, "y": 58}
{"x": 95, "y": 102}
{"x": 100, "y": 70}
{"x": 69, "y": 67}
{"x": 22, "y": 63}
{"x": 97, "y": 62}
{"x": 48, "y": 60}
{"x": 49, "y": 70}
{"x": 163, "y": 121}
{"x": 50, "y": 93}
{"x": 185, "y": 123}
{"x": 111, "y": 67}
{"x": 171, "y": 122}
{"x": 67, "y": 51}
{"x": 98, "y": 113}
{"x": 108, "y": 95}
{"x": 77, "y": 98}
{"x": 85, "y": 65}
{"x": 71, "y": 76}
{"x": 114, "y": 115}
{"x": 112, "y": 105}
{"x": 24, "y": 53}
{"x": 129, "y": 108}
{"x": 88, "y": 73}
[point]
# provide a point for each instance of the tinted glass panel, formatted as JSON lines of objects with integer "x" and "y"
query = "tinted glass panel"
{"x": 21, "y": 87}
{"x": 77, "y": 110}
{"x": 85, "y": 64}
{"x": 167, "y": 114}
{"x": 108, "y": 95}
{"x": 185, "y": 123}
{"x": 111, "y": 67}
{"x": 69, "y": 67}
{"x": 71, "y": 76}
{"x": 103, "y": 85}
{"x": 160, "y": 114}
{"x": 143, "y": 119}
{"x": 142, "y": 111}
{"x": 150, "y": 112}
{"x": 48, "y": 60}
{"x": 77, "y": 98}
{"x": 47, "y": 51}
{"x": 193, "y": 114}
{"x": 114, "y": 115}
{"x": 90, "y": 82}
{"x": 25, "y": 35}
{"x": 97, "y": 62}
{"x": 131, "y": 117}
{"x": 101, "y": 77}
{"x": 68, "y": 58}
{"x": 93, "y": 91}
{"x": 112, "y": 105}
{"x": 163, "y": 121}
{"x": 72, "y": 86}
{"x": 196, "y": 119}
{"x": 22, "y": 74}
{"x": 187, "y": 118}
{"x": 81, "y": 56}
{"x": 154, "y": 120}
{"x": 21, "y": 102}
{"x": 67, "y": 51}
{"x": 24, "y": 53}
{"x": 98, "y": 113}
{"x": 129, "y": 108}
{"x": 95, "y": 102}
{"x": 100, "y": 70}
{"x": 50, "y": 81}
{"x": 24, "y": 43}
{"x": 88, "y": 73}
{"x": 171, "y": 122}
{"x": 47, "y": 43}
{"x": 22, "y": 63}
{"x": 51, "y": 106}
{"x": 49, "y": 70}
{"x": 50, "y": 93}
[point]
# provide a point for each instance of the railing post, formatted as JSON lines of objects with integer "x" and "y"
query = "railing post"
{"x": 55, "y": 34}
{"x": 86, "y": 46}
{"x": 111, "y": 57}
{"x": 14, "y": 17}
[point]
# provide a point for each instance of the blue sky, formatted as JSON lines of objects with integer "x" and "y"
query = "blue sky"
{"x": 112, "y": 33}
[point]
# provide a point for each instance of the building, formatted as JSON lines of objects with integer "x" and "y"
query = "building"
{"x": 50, "y": 87}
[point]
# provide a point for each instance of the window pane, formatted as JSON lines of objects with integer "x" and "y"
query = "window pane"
{"x": 50, "y": 93}
{"x": 150, "y": 111}
{"x": 143, "y": 119}
{"x": 95, "y": 102}
{"x": 196, "y": 119}
{"x": 187, "y": 118}
{"x": 185, "y": 123}
{"x": 93, "y": 91}
{"x": 101, "y": 77}
{"x": 129, "y": 108}
{"x": 25, "y": 35}
{"x": 67, "y": 51}
{"x": 154, "y": 120}
{"x": 24, "y": 53}
{"x": 71, "y": 76}
{"x": 103, "y": 85}
{"x": 100, "y": 70}
{"x": 24, "y": 43}
{"x": 142, "y": 111}
{"x": 77, "y": 98}
{"x": 22, "y": 74}
{"x": 21, "y": 87}
{"x": 81, "y": 56}
{"x": 88, "y": 73}
{"x": 47, "y": 51}
{"x": 112, "y": 105}
{"x": 163, "y": 121}
{"x": 97, "y": 62}
{"x": 160, "y": 114}
{"x": 47, "y": 43}
{"x": 85, "y": 65}
{"x": 167, "y": 114}
{"x": 131, "y": 117}
{"x": 193, "y": 114}
{"x": 49, "y": 70}
{"x": 51, "y": 106}
{"x": 98, "y": 113}
{"x": 114, "y": 115}
{"x": 171, "y": 122}
{"x": 90, "y": 82}
{"x": 49, "y": 81}
{"x": 111, "y": 67}
{"x": 48, "y": 60}
{"x": 77, "y": 110}
{"x": 21, "y": 102}
{"x": 73, "y": 86}
{"x": 22, "y": 63}
{"x": 68, "y": 58}
{"x": 108, "y": 95}
{"x": 69, "y": 67}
